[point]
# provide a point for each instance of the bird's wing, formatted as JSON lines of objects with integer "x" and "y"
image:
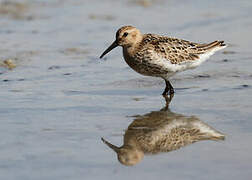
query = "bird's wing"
{"x": 178, "y": 50}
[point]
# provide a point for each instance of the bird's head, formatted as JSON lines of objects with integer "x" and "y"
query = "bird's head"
{"x": 126, "y": 36}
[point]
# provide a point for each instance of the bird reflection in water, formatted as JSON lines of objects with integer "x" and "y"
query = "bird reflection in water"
{"x": 161, "y": 131}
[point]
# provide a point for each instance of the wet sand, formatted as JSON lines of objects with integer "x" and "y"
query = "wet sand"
{"x": 61, "y": 98}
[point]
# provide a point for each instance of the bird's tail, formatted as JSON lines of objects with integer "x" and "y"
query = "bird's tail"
{"x": 213, "y": 45}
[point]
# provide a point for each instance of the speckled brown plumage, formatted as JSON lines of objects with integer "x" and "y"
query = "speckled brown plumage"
{"x": 176, "y": 51}
{"x": 161, "y": 56}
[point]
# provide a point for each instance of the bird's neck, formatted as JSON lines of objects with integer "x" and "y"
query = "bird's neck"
{"x": 130, "y": 51}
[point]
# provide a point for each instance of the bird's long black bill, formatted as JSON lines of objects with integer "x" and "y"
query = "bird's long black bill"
{"x": 112, "y": 46}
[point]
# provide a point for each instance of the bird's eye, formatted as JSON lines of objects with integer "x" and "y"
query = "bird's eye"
{"x": 125, "y": 34}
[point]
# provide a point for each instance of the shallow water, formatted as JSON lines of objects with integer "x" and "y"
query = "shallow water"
{"x": 61, "y": 99}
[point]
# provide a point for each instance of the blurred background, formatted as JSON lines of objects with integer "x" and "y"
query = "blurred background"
{"x": 57, "y": 98}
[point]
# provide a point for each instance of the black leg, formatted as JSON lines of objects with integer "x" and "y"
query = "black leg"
{"x": 169, "y": 88}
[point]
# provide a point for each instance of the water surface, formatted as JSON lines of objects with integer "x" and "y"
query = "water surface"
{"x": 61, "y": 99}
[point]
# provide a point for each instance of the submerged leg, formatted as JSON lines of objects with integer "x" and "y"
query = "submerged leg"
{"x": 169, "y": 88}
{"x": 167, "y": 102}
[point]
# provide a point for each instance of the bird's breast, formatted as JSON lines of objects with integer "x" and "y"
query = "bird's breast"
{"x": 131, "y": 60}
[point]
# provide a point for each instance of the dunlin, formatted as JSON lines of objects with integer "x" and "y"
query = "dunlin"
{"x": 161, "y": 56}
